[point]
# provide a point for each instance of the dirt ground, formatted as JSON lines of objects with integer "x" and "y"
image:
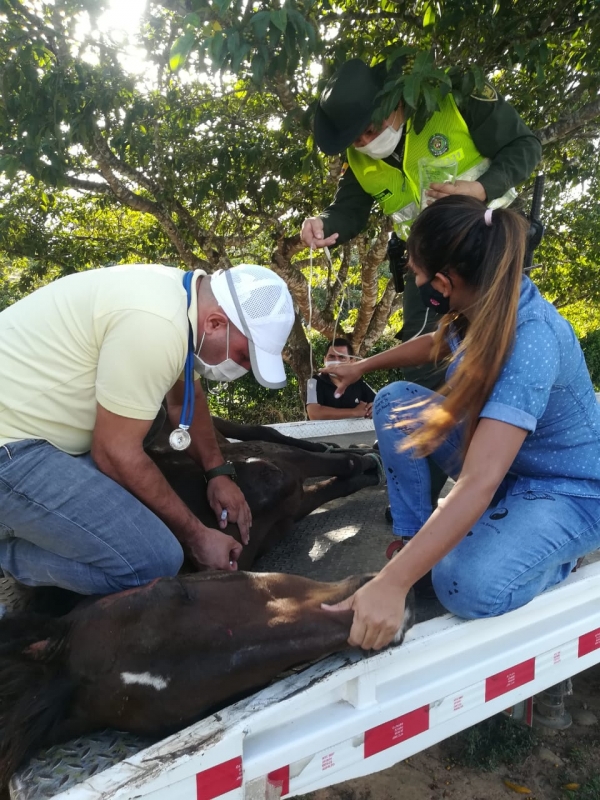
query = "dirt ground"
{"x": 540, "y": 766}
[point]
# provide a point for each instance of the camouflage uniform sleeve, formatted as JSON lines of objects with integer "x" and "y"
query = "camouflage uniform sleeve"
{"x": 500, "y": 134}
{"x": 348, "y": 214}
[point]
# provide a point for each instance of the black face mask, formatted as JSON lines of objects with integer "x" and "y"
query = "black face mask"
{"x": 433, "y": 299}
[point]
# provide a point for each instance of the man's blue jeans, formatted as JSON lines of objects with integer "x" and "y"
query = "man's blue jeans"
{"x": 64, "y": 523}
{"x": 528, "y": 540}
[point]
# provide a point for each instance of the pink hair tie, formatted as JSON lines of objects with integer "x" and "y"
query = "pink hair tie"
{"x": 488, "y": 217}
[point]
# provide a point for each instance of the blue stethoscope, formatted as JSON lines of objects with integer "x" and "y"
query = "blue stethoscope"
{"x": 180, "y": 438}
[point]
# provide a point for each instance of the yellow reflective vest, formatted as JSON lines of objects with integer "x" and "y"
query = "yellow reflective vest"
{"x": 445, "y": 137}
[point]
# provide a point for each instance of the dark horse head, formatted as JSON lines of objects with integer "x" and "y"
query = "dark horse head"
{"x": 156, "y": 659}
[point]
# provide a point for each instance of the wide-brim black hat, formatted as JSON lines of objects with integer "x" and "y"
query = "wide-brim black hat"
{"x": 347, "y": 105}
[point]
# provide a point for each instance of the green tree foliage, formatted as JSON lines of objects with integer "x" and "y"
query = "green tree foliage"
{"x": 206, "y": 158}
{"x": 591, "y": 350}
{"x": 66, "y": 232}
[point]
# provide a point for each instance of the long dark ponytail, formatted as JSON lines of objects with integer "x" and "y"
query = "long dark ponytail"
{"x": 454, "y": 234}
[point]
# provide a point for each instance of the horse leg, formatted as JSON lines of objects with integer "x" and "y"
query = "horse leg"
{"x": 344, "y": 465}
{"x": 265, "y": 534}
{"x": 261, "y": 433}
{"x": 331, "y": 489}
{"x": 299, "y": 464}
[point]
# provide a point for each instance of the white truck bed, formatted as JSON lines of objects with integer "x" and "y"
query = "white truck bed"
{"x": 348, "y": 715}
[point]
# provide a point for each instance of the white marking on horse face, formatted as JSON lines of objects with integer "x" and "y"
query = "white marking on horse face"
{"x": 145, "y": 679}
{"x": 407, "y": 623}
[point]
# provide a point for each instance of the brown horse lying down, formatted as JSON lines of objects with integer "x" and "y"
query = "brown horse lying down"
{"x": 155, "y": 659}
{"x": 271, "y": 471}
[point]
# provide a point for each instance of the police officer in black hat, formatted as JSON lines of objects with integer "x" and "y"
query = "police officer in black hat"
{"x": 483, "y": 150}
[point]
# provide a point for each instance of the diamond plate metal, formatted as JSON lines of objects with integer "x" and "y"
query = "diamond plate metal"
{"x": 324, "y": 429}
{"x": 59, "y": 768}
{"x": 12, "y": 595}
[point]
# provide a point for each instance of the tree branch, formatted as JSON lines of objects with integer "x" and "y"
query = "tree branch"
{"x": 128, "y": 198}
{"x": 297, "y": 355}
{"x": 285, "y": 95}
{"x": 380, "y": 318}
{"x": 116, "y": 165}
{"x": 370, "y": 283}
{"x": 86, "y": 186}
{"x": 281, "y": 257}
{"x": 568, "y": 123}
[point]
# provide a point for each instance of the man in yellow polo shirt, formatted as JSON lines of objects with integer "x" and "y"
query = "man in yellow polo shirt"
{"x": 85, "y": 363}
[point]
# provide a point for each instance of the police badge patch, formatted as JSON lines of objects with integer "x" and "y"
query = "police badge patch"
{"x": 438, "y": 144}
{"x": 486, "y": 93}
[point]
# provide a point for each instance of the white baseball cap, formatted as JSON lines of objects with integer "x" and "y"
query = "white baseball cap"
{"x": 258, "y": 303}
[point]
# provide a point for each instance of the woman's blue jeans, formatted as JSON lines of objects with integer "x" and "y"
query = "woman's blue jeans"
{"x": 528, "y": 540}
{"x": 64, "y": 523}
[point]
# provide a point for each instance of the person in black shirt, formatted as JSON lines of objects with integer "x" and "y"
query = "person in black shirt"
{"x": 321, "y": 400}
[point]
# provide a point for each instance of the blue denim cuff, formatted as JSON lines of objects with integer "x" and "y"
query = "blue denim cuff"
{"x": 399, "y": 532}
{"x": 510, "y": 414}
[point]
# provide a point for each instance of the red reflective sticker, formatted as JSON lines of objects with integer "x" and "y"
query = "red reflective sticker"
{"x": 280, "y": 778}
{"x": 396, "y": 731}
{"x": 509, "y": 679}
{"x": 219, "y": 780}
{"x": 588, "y": 643}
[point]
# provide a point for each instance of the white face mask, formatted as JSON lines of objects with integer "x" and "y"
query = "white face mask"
{"x": 383, "y": 145}
{"x": 225, "y": 371}
{"x": 333, "y": 363}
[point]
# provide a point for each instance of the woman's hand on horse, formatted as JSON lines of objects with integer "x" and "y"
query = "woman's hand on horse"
{"x": 345, "y": 375}
{"x": 378, "y": 613}
{"x": 210, "y": 548}
{"x": 225, "y": 495}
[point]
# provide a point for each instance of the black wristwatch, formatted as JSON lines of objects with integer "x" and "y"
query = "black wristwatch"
{"x": 227, "y": 468}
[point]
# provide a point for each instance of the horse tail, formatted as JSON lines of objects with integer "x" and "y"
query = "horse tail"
{"x": 35, "y": 688}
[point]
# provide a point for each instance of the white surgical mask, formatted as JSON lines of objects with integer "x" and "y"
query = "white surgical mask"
{"x": 333, "y": 363}
{"x": 383, "y": 145}
{"x": 225, "y": 371}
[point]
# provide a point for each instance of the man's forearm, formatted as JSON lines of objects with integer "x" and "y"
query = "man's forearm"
{"x": 317, "y": 411}
{"x": 501, "y": 135}
{"x": 512, "y": 165}
{"x": 348, "y": 214}
{"x": 138, "y": 474}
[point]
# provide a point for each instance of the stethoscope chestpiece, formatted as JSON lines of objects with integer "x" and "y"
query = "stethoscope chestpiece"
{"x": 180, "y": 438}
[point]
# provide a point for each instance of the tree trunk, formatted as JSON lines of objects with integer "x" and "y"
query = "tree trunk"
{"x": 370, "y": 284}
{"x": 569, "y": 123}
{"x": 297, "y": 355}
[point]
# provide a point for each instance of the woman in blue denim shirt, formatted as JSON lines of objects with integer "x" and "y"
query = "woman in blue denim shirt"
{"x": 516, "y": 424}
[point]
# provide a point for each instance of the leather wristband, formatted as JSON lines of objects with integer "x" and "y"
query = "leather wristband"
{"x": 227, "y": 468}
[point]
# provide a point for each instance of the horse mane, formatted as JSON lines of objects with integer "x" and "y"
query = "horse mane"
{"x": 35, "y": 688}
